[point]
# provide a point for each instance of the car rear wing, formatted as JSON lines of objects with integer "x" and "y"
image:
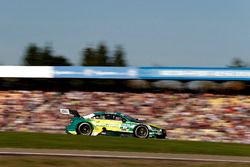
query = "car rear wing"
{"x": 70, "y": 112}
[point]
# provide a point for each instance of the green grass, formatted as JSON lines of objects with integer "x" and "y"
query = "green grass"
{"x": 63, "y": 141}
{"x": 29, "y": 161}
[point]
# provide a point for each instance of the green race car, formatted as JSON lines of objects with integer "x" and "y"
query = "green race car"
{"x": 110, "y": 124}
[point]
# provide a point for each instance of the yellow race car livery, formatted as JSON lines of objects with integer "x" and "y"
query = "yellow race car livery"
{"x": 111, "y": 124}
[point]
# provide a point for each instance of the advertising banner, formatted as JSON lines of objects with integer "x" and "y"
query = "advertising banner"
{"x": 189, "y": 73}
{"x": 159, "y": 73}
{"x": 96, "y": 72}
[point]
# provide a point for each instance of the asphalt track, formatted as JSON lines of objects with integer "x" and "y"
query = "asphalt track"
{"x": 121, "y": 155}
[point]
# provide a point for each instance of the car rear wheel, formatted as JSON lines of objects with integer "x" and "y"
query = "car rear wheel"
{"x": 141, "y": 131}
{"x": 85, "y": 129}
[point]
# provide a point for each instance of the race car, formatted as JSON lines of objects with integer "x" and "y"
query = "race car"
{"x": 110, "y": 124}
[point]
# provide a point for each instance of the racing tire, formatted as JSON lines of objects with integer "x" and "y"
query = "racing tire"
{"x": 141, "y": 131}
{"x": 84, "y": 129}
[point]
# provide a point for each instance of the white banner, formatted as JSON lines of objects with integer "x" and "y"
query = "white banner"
{"x": 206, "y": 73}
{"x": 26, "y": 71}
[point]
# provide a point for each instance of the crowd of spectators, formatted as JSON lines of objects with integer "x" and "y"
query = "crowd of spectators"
{"x": 186, "y": 116}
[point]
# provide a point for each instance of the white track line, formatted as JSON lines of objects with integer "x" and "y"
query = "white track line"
{"x": 121, "y": 157}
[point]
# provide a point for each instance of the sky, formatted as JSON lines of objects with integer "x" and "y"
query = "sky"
{"x": 190, "y": 33}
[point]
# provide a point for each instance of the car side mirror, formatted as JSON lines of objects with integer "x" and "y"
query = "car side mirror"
{"x": 124, "y": 120}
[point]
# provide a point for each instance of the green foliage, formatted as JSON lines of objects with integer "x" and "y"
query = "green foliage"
{"x": 238, "y": 63}
{"x": 100, "y": 56}
{"x": 60, "y": 61}
{"x": 89, "y": 57}
{"x": 118, "y": 59}
{"x": 36, "y": 56}
{"x": 32, "y": 55}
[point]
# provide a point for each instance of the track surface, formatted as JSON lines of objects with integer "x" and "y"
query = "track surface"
{"x": 122, "y": 155}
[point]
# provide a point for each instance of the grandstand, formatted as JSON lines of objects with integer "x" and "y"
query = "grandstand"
{"x": 199, "y": 116}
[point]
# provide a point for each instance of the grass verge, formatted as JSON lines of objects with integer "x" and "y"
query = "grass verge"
{"x": 29, "y": 161}
{"x": 63, "y": 141}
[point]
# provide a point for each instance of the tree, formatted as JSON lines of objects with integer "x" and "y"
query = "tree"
{"x": 89, "y": 58}
{"x": 46, "y": 56}
{"x": 102, "y": 55}
{"x": 32, "y": 55}
{"x": 118, "y": 59}
{"x": 60, "y": 61}
{"x": 237, "y": 63}
{"x": 35, "y": 56}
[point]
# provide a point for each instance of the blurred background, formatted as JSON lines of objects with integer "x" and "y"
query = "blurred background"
{"x": 189, "y": 110}
{"x": 127, "y": 34}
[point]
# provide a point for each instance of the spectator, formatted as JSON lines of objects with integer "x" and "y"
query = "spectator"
{"x": 186, "y": 116}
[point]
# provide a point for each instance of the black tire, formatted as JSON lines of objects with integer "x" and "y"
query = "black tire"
{"x": 84, "y": 129}
{"x": 141, "y": 131}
